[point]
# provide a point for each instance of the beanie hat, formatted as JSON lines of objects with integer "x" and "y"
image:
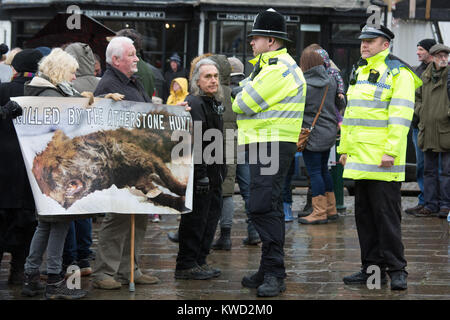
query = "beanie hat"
{"x": 236, "y": 66}
{"x": 427, "y": 43}
{"x": 27, "y": 60}
{"x": 44, "y": 50}
{"x": 3, "y": 49}
{"x": 175, "y": 57}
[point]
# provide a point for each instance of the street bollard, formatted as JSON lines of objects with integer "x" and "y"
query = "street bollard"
{"x": 338, "y": 182}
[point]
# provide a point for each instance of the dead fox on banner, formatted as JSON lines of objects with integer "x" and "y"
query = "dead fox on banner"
{"x": 70, "y": 169}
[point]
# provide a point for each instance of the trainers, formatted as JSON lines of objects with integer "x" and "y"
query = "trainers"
{"x": 253, "y": 281}
{"x": 216, "y": 272}
{"x": 271, "y": 287}
{"x": 414, "y": 210}
{"x": 32, "y": 285}
{"x": 195, "y": 273}
{"x": 361, "y": 277}
{"x": 107, "y": 284}
{"x": 398, "y": 280}
{"x": 425, "y": 212}
{"x": 59, "y": 290}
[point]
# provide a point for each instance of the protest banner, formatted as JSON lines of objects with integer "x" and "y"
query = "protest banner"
{"x": 111, "y": 156}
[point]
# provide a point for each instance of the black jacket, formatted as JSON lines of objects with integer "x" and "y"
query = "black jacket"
{"x": 114, "y": 81}
{"x": 15, "y": 190}
{"x": 203, "y": 109}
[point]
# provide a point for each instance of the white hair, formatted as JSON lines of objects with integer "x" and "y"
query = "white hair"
{"x": 115, "y": 48}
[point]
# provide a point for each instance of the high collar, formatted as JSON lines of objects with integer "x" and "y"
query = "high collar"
{"x": 379, "y": 57}
{"x": 267, "y": 55}
{"x": 122, "y": 77}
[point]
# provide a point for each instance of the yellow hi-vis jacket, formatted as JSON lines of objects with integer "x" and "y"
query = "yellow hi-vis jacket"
{"x": 271, "y": 104}
{"x": 377, "y": 118}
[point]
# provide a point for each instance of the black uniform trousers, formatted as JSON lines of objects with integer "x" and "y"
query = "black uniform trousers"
{"x": 197, "y": 229}
{"x": 266, "y": 205}
{"x": 378, "y": 217}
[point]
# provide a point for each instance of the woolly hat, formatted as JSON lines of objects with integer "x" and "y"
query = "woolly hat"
{"x": 427, "y": 43}
{"x": 175, "y": 57}
{"x": 3, "y": 49}
{"x": 237, "y": 67}
{"x": 27, "y": 60}
{"x": 44, "y": 50}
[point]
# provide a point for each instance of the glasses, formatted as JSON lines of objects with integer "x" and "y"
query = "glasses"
{"x": 442, "y": 56}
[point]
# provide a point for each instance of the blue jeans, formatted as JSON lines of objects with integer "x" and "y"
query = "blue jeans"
{"x": 78, "y": 241}
{"x": 437, "y": 180}
{"x": 317, "y": 167}
{"x": 419, "y": 165}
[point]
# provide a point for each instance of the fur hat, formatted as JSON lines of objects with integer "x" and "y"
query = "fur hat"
{"x": 270, "y": 23}
{"x": 27, "y": 60}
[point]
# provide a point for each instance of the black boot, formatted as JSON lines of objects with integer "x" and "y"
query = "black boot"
{"x": 398, "y": 280}
{"x": 253, "y": 281}
{"x": 173, "y": 236}
{"x": 57, "y": 288}
{"x": 32, "y": 284}
{"x": 224, "y": 241}
{"x": 308, "y": 209}
{"x": 361, "y": 278}
{"x": 253, "y": 236}
{"x": 271, "y": 287}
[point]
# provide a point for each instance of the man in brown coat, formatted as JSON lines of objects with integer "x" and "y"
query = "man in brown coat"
{"x": 433, "y": 110}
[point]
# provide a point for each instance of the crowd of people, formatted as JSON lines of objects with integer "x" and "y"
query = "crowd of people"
{"x": 268, "y": 108}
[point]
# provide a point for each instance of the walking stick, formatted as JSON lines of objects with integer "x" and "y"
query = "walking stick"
{"x": 131, "y": 287}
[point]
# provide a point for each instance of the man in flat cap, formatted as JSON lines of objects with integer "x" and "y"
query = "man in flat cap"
{"x": 373, "y": 151}
{"x": 433, "y": 111}
{"x": 423, "y": 48}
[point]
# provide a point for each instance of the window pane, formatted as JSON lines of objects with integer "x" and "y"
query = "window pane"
{"x": 32, "y": 27}
{"x": 345, "y": 32}
{"x": 175, "y": 38}
{"x": 232, "y": 37}
{"x": 310, "y": 33}
{"x": 293, "y": 36}
{"x": 151, "y": 32}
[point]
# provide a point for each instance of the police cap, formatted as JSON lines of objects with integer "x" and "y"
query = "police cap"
{"x": 270, "y": 23}
{"x": 368, "y": 32}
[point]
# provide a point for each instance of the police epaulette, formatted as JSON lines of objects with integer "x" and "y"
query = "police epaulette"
{"x": 273, "y": 61}
{"x": 394, "y": 64}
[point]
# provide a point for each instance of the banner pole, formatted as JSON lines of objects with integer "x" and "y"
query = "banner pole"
{"x": 131, "y": 287}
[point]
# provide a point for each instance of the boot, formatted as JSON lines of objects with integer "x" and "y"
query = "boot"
{"x": 287, "y": 207}
{"x": 308, "y": 206}
{"x": 253, "y": 236}
{"x": 331, "y": 206}
{"x": 253, "y": 281}
{"x": 271, "y": 287}
{"x": 57, "y": 288}
{"x": 224, "y": 241}
{"x": 319, "y": 214}
{"x": 32, "y": 284}
{"x": 398, "y": 280}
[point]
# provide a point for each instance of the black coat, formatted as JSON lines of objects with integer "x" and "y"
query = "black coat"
{"x": 15, "y": 191}
{"x": 202, "y": 109}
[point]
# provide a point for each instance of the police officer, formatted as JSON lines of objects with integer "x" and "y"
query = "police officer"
{"x": 373, "y": 151}
{"x": 269, "y": 106}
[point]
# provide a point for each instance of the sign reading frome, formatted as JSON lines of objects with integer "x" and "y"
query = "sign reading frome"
{"x": 107, "y": 157}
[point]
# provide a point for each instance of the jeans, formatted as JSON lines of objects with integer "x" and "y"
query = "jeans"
{"x": 419, "y": 165}
{"x": 317, "y": 167}
{"x": 437, "y": 180}
{"x": 78, "y": 241}
{"x": 49, "y": 236}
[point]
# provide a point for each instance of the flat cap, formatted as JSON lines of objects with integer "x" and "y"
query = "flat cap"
{"x": 439, "y": 48}
{"x": 372, "y": 32}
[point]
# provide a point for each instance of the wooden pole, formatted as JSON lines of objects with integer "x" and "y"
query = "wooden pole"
{"x": 131, "y": 287}
{"x": 428, "y": 10}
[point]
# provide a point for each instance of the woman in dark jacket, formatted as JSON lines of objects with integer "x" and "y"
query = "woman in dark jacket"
{"x": 322, "y": 137}
{"x": 17, "y": 210}
{"x": 56, "y": 71}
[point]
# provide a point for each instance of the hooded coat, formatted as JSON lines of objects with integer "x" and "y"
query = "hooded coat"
{"x": 179, "y": 96}
{"x": 323, "y": 136}
{"x": 86, "y": 80}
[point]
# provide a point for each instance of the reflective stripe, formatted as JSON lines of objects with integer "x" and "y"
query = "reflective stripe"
{"x": 368, "y": 104}
{"x": 379, "y": 89}
{"x": 244, "y": 82}
{"x": 292, "y": 69}
{"x": 402, "y": 102}
{"x": 241, "y": 104}
{"x": 373, "y": 167}
{"x": 272, "y": 114}
{"x": 256, "y": 97}
{"x": 377, "y": 84}
{"x": 365, "y": 123}
{"x": 400, "y": 121}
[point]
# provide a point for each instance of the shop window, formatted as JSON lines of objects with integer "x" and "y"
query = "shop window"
{"x": 310, "y": 33}
{"x": 176, "y": 38}
{"x": 345, "y": 32}
{"x": 232, "y": 37}
{"x": 31, "y": 27}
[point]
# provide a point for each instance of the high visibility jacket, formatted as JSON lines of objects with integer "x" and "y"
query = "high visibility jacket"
{"x": 377, "y": 118}
{"x": 271, "y": 103}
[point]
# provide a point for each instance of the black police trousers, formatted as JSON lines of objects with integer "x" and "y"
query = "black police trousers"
{"x": 378, "y": 216}
{"x": 266, "y": 205}
{"x": 197, "y": 229}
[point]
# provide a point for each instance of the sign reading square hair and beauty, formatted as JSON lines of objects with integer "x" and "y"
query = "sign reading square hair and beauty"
{"x": 111, "y": 156}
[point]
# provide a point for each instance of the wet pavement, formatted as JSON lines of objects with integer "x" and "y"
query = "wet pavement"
{"x": 316, "y": 258}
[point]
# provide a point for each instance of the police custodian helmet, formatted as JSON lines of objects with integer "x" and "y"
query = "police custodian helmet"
{"x": 270, "y": 24}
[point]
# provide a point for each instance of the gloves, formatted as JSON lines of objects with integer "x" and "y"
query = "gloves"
{"x": 10, "y": 110}
{"x": 202, "y": 186}
{"x": 235, "y": 91}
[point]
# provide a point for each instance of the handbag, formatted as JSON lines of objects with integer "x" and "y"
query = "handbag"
{"x": 305, "y": 132}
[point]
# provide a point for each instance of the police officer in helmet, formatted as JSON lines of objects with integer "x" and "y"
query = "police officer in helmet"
{"x": 373, "y": 143}
{"x": 269, "y": 106}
